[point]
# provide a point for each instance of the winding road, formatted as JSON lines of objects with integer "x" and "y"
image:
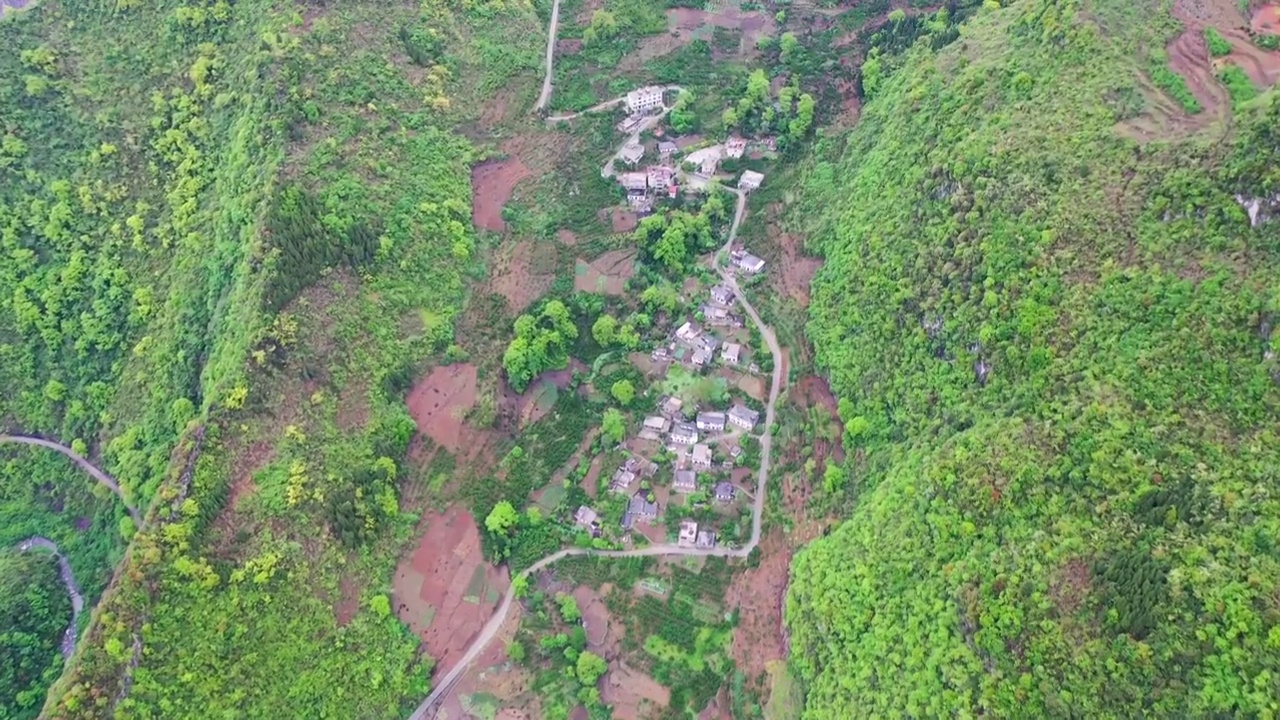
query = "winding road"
{"x": 84, "y": 464}
{"x": 428, "y": 706}
{"x": 68, "y": 580}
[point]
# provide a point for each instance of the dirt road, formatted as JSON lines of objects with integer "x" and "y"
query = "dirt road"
{"x": 68, "y": 580}
{"x": 428, "y": 706}
{"x": 84, "y": 464}
{"x": 552, "y": 28}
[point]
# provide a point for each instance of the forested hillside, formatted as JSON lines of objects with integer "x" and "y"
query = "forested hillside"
{"x": 1055, "y": 354}
{"x": 233, "y": 232}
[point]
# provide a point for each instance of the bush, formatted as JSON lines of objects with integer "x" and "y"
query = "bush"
{"x": 1218, "y": 45}
{"x": 1238, "y": 84}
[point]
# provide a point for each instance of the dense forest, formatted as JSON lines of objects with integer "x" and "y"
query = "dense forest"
{"x": 1055, "y": 352}
{"x": 34, "y": 611}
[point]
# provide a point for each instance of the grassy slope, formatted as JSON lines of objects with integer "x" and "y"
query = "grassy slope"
{"x": 219, "y": 116}
{"x": 1091, "y": 533}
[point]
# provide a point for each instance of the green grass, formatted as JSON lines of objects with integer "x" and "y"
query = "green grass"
{"x": 1172, "y": 83}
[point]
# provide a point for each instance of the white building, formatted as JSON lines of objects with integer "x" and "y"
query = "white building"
{"x": 686, "y": 481}
{"x": 702, "y": 455}
{"x": 734, "y": 147}
{"x": 659, "y": 177}
{"x": 688, "y": 534}
{"x": 644, "y": 100}
{"x": 634, "y": 181}
{"x": 743, "y": 416}
{"x": 706, "y": 159}
{"x": 748, "y": 263}
{"x": 750, "y": 180}
{"x": 732, "y": 353}
{"x": 667, "y": 149}
{"x": 684, "y": 433}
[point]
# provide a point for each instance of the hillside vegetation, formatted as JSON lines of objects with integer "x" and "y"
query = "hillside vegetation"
{"x": 1054, "y": 350}
{"x": 233, "y": 234}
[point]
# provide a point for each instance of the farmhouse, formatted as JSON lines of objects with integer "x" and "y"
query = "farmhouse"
{"x": 722, "y": 294}
{"x": 688, "y": 533}
{"x": 684, "y": 433}
{"x": 711, "y": 421}
{"x": 631, "y": 153}
{"x": 639, "y": 510}
{"x": 702, "y": 455}
{"x": 725, "y": 492}
{"x": 634, "y": 181}
{"x": 706, "y": 159}
{"x": 645, "y": 99}
{"x": 706, "y": 539}
{"x": 743, "y": 416}
{"x": 667, "y": 150}
{"x": 686, "y": 481}
{"x": 732, "y": 353}
{"x": 747, "y": 262}
{"x": 587, "y": 518}
{"x": 750, "y": 180}
{"x": 659, "y": 176}
{"x": 622, "y": 480}
{"x": 734, "y": 147}
{"x": 671, "y": 406}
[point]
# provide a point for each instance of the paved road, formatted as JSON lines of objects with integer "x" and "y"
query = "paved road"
{"x": 445, "y": 684}
{"x": 545, "y": 96}
{"x": 84, "y": 464}
{"x": 68, "y": 580}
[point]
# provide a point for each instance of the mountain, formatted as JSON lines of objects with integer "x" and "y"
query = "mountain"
{"x": 1048, "y": 308}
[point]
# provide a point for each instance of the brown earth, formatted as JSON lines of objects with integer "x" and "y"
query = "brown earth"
{"x": 439, "y": 402}
{"x": 606, "y": 274}
{"x": 814, "y": 390}
{"x": 491, "y": 186}
{"x": 348, "y": 600}
{"x": 798, "y": 269}
{"x": 633, "y": 694}
{"x": 520, "y": 273}
{"x": 1266, "y": 20}
{"x": 568, "y": 46}
{"x": 566, "y": 237}
{"x": 596, "y": 621}
{"x": 758, "y": 594}
{"x": 431, "y": 586}
{"x": 591, "y": 483}
{"x": 720, "y": 707}
{"x": 623, "y": 220}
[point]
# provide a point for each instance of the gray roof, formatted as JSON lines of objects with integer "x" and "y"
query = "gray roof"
{"x": 744, "y": 413}
{"x": 640, "y": 506}
{"x": 667, "y": 146}
{"x": 686, "y": 478}
{"x": 725, "y": 489}
{"x": 711, "y": 418}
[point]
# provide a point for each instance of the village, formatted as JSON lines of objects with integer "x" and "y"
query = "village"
{"x": 685, "y": 453}
{"x": 694, "y": 168}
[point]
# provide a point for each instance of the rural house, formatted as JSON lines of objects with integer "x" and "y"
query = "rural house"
{"x": 702, "y": 455}
{"x": 686, "y": 481}
{"x": 667, "y": 150}
{"x": 747, "y": 262}
{"x": 659, "y": 177}
{"x": 734, "y": 147}
{"x": 634, "y": 181}
{"x": 639, "y": 510}
{"x": 706, "y": 540}
{"x": 706, "y": 159}
{"x": 671, "y": 406}
{"x": 688, "y": 534}
{"x": 725, "y": 492}
{"x": 684, "y": 433}
{"x": 631, "y": 153}
{"x": 743, "y": 416}
{"x": 622, "y": 480}
{"x": 750, "y": 180}
{"x": 588, "y": 519}
{"x": 732, "y": 353}
{"x": 722, "y": 294}
{"x": 711, "y": 421}
{"x": 654, "y": 427}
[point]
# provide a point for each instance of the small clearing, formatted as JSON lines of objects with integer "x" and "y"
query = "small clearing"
{"x": 491, "y": 186}
{"x": 623, "y": 220}
{"x": 606, "y": 274}
{"x": 631, "y": 692}
{"x": 439, "y": 402}
{"x": 596, "y": 621}
{"x": 444, "y": 590}
{"x": 1266, "y": 20}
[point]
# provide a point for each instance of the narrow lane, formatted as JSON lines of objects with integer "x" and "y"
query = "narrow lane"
{"x": 84, "y": 464}
{"x": 545, "y": 96}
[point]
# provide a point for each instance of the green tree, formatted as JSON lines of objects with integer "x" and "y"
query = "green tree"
{"x": 590, "y": 667}
{"x": 612, "y": 426}
{"x": 604, "y": 330}
{"x": 502, "y": 518}
{"x": 623, "y": 391}
{"x": 569, "y": 611}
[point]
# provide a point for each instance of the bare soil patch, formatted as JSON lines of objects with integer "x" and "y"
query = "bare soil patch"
{"x": 1266, "y": 19}
{"x": 591, "y": 483}
{"x": 566, "y": 237}
{"x": 632, "y": 693}
{"x": 758, "y": 594}
{"x": 606, "y": 274}
{"x": 444, "y": 590}
{"x": 597, "y": 622}
{"x": 798, "y": 269}
{"x": 491, "y": 186}
{"x": 348, "y": 600}
{"x": 568, "y": 46}
{"x": 519, "y": 273}
{"x": 439, "y": 402}
{"x": 623, "y": 220}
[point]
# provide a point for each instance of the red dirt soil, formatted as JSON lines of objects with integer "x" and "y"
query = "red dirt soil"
{"x": 513, "y": 274}
{"x": 440, "y": 401}
{"x": 623, "y": 220}
{"x": 1266, "y": 20}
{"x": 758, "y": 594}
{"x": 436, "y": 577}
{"x": 798, "y": 269}
{"x": 631, "y": 692}
{"x": 606, "y": 274}
{"x": 491, "y": 186}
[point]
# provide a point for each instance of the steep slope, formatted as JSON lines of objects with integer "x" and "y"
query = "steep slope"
{"x": 1053, "y": 350}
